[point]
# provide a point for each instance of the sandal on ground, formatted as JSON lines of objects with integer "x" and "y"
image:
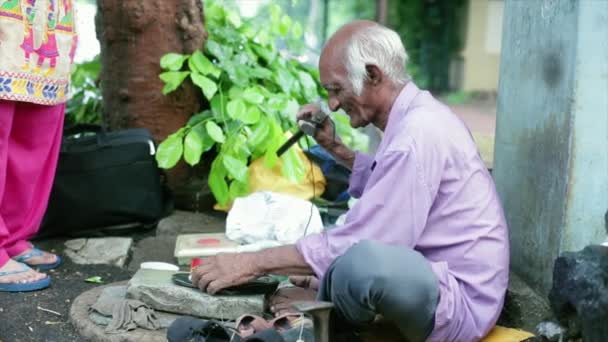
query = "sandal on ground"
{"x": 40, "y": 267}
{"x": 23, "y": 287}
{"x": 248, "y": 325}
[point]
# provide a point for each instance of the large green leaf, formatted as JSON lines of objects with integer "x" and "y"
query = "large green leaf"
{"x": 215, "y": 132}
{"x": 292, "y": 167}
{"x": 169, "y": 151}
{"x": 217, "y": 182}
{"x": 252, "y": 115}
{"x": 236, "y": 109}
{"x": 202, "y": 64}
{"x": 208, "y": 142}
{"x": 296, "y": 30}
{"x": 172, "y": 80}
{"x": 233, "y": 18}
{"x": 284, "y": 79}
{"x": 236, "y": 168}
{"x": 284, "y": 25}
{"x": 207, "y": 85}
{"x": 238, "y": 189}
{"x": 261, "y": 72}
{"x": 198, "y": 118}
{"x": 172, "y": 61}
{"x": 218, "y": 105}
{"x": 308, "y": 85}
{"x": 259, "y": 134}
{"x": 253, "y": 95}
{"x": 193, "y": 148}
{"x": 221, "y": 53}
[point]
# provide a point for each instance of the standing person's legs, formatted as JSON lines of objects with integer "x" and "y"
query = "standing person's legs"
{"x": 34, "y": 145}
{"x": 396, "y": 282}
{"x": 13, "y": 276}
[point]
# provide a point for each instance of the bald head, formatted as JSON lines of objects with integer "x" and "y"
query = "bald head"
{"x": 363, "y": 42}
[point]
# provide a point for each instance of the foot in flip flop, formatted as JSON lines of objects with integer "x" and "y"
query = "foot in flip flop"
{"x": 18, "y": 277}
{"x": 38, "y": 259}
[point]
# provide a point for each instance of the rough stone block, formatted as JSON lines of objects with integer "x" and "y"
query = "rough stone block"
{"x": 156, "y": 289}
{"x": 110, "y": 250}
{"x": 579, "y": 296}
{"x": 524, "y": 308}
{"x": 185, "y": 222}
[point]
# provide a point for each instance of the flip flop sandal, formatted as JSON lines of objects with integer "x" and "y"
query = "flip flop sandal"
{"x": 288, "y": 321}
{"x": 40, "y": 267}
{"x": 24, "y": 287}
{"x": 262, "y": 285}
{"x": 248, "y": 325}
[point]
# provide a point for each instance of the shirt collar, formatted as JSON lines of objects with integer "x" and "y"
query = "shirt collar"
{"x": 400, "y": 106}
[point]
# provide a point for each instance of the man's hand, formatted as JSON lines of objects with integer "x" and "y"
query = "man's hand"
{"x": 325, "y": 135}
{"x": 224, "y": 270}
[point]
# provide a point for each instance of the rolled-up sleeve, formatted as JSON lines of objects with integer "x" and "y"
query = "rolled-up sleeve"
{"x": 362, "y": 169}
{"x": 396, "y": 194}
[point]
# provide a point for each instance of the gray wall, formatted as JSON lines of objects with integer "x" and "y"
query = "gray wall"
{"x": 551, "y": 151}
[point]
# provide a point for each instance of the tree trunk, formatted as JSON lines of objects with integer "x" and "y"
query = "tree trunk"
{"x": 134, "y": 35}
{"x": 381, "y": 11}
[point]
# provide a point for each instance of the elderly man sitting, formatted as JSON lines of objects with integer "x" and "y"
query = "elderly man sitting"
{"x": 426, "y": 246}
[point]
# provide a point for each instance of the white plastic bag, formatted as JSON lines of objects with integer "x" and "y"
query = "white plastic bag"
{"x": 268, "y": 218}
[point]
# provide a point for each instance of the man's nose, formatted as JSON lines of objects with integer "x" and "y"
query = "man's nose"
{"x": 333, "y": 103}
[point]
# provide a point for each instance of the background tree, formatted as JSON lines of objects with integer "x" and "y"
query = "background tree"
{"x": 133, "y": 37}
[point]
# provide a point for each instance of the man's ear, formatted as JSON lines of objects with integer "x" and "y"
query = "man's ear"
{"x": 374, "y": 75}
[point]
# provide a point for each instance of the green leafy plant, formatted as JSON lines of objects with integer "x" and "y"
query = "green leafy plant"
{"x": 254, "y": 91}
{"x": 85, "y": 105}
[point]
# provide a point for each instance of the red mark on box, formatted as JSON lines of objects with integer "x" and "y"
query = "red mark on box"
{"x": 208, "y": 242}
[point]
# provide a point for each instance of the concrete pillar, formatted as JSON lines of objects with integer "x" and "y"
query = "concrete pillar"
{"x": 551, "y": 152}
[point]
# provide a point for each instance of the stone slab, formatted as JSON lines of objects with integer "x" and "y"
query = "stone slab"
{"x": 186, "y": 222}
{"x": 90, "y": 331}
{"x": 109, "y": 250}
{"x": 156, "y": 289}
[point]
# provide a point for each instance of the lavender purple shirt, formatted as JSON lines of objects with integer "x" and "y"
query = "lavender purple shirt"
{"x": 427, "y": 188}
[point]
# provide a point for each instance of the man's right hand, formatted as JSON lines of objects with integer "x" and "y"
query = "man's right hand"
{"x": 325, "y": 135}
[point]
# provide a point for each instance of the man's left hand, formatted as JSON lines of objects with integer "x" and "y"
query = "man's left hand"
{"x": 224, "y": 270}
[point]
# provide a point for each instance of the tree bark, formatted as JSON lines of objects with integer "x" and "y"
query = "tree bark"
{"x": 134, "y": 35}
{"x": 381, "y": 11}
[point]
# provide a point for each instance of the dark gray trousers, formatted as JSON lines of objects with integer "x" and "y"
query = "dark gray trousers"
{"x": 396, "y": 282}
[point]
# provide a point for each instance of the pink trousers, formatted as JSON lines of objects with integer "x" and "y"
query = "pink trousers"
{"x": 30, "y": 138}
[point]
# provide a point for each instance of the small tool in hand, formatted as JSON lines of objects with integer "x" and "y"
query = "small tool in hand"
{"x": 308, "y": 127}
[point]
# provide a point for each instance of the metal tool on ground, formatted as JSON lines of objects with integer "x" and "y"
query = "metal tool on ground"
{"x": 308, "y": 127}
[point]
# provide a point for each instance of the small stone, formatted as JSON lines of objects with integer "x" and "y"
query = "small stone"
{"x": 551, "y": 331}
{"x": 111, "y": 250}
{"x": 156, "y": 289}
{"x": 75, "y": 244}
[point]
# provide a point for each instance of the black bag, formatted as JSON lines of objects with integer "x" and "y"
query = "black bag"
{"x": 106, "y": 183}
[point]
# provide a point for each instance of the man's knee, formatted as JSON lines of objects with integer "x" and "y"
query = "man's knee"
{"x": 378, "y": 264}
{"x": 398, "y": 277}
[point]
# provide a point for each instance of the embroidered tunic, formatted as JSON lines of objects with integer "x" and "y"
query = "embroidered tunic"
{"x": 37, "y": 45}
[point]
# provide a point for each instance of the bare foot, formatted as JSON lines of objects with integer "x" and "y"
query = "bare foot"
{"x": 44, "y": 259}
{"x": 23, "y": 277}
{"x": 281, "y": 301}
{"x": 307, "y": 282}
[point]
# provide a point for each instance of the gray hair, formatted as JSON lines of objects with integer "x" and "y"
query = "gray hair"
{"x": 379, "y": 46}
